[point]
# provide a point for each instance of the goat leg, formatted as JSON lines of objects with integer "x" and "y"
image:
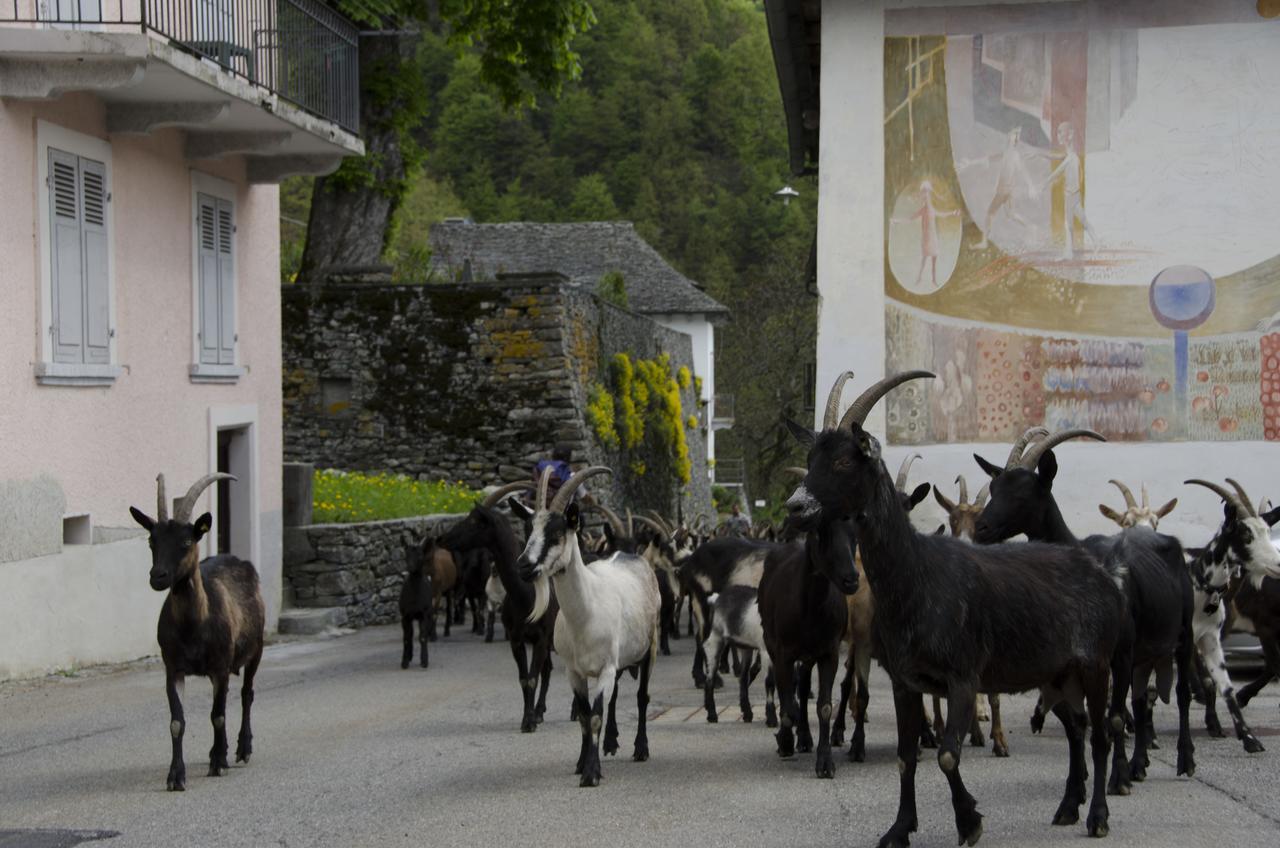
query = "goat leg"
{"x": 177, "y": 779}
{"x": 1272, "y": 653}
{"x": 711, "y": 650}
{"x": 640, "y": 753}
{"x": 999, "y": 745}
{"x": 611, "y": 722}
{"x": 1206, "y": 682}
{"x": 976, "y": 738}
{"x": 1121, "y": 782}
{"x": 824, "y": 766}
{"x": 528, "y": 723}
{"x": 244, "y": 742}
{"x": 488, "y": 625}
{"x": 1216, "y": 666}
{"x": 406, "y": 656}
{"x": 1095, "y": 693}
{"x": 591, "y": 773}
{"x": 908, "y": 708}
{"x": 744, "y": 685}
{"x": 218, "y": 764}
{"x": 540, "y": 708}
{"x": 1141, "y": 738}
{"x": 784, "y": 672}
{"x": 846, "y": 689}
{"x": 804, "y": 689}
{"x": 961, "y": 706}
{"x": 1073, "y": 724}
{"x": 1186, "y": 748}
{"x": 582, "y": 708}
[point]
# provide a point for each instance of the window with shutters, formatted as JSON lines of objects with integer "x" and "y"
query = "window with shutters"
{"x": 78, "y": 315}
{"x": 215, "y": 282}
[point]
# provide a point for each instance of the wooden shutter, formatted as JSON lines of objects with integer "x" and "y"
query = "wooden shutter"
{"x": 67, "y": 260}
{"x": 93, "y": 228}
{"x": 207, "y": 245}
{"x": 226, "y": 284}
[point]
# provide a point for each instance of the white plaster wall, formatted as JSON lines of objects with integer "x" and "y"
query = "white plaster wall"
{"x": 104, "y": 446}
{"x": 89, "y": 604}
{"x": 851, "y": 308}
{"x": 704, "y": 357}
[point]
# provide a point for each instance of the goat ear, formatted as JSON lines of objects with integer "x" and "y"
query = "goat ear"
{"x": 942, "y": 500}
{"x": 520, "y": 510}
{"x": 1271, "y": 517}
{"x": 1167, "y": 508}
{"x": 803, "y": 435}
{"x": 921, "y": 492}
{"x": 868, "y": 445}
{"x": 202, "y": 525}
{"x": 142, "y": 518}
{"x": 1047, "y": 468}
{"x": 1229, "y": 512}
{"x": 942, "y": 529}
{"x": 993, "y": 470}
{"x": 572, "y": 516}
{"x": 1111, "y": 513}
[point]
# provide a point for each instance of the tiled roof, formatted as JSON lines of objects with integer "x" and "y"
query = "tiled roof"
{"x": 583, "y": 252}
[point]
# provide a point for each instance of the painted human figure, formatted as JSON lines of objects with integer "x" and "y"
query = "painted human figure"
{"x": 1012, "y": 177}
{"x": 1072, "y": 200}
{"x": 928, "y": 216}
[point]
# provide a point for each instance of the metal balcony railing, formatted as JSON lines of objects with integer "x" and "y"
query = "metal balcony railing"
{"x": 299, "y": 50}
{"x": 730, "y": 472}
{"x": 722, "y": 412}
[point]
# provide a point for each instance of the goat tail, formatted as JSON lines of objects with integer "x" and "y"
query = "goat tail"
{"x": 541, "y": 597}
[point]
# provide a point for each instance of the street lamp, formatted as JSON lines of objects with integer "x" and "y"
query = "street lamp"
{"x": 786, "y": 193}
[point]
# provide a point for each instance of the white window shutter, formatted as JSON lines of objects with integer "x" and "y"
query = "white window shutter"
{"x": 93, "y": 228}
{"x": 207, "y": 245}
{"x": 67, "y": 259}
{"x": 226, "y": 283}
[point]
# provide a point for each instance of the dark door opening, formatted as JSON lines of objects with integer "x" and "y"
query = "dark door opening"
{"x": 224, "y": 492}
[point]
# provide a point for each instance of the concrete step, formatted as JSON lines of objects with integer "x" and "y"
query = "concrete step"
{"x": 308, "y": 622}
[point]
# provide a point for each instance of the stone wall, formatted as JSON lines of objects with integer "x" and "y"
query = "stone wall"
{"x": 454, "y": 381}
{"x": 359, "y": 567}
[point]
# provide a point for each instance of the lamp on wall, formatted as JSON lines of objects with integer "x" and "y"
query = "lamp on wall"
{"x": 786, "y": 193}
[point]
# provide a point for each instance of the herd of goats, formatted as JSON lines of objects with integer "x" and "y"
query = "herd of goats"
{"x": 1100, "y": 626}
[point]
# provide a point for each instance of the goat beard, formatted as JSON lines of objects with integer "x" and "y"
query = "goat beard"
{"x": 541, "y": 597}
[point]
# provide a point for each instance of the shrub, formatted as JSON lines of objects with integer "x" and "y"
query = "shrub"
{"x": 613, "y": 288}
{"x": 344, "y": 497}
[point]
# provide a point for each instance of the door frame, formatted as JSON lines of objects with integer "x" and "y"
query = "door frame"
{"x": 246, "y": 542}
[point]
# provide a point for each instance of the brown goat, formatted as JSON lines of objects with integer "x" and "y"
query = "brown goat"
{"x": 211, "y": 623}
{"x": 442, "y": 570}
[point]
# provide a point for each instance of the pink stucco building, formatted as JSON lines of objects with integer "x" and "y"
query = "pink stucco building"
{"x": 140, "y": 325}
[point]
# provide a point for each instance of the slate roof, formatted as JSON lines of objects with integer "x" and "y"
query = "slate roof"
{"x": 583, "y": 252}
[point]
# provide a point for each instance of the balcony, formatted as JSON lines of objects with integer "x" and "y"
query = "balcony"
{"x": 722, "y": 413}
{"x": 274, "y": 80}
{"x": 730, "y": 472}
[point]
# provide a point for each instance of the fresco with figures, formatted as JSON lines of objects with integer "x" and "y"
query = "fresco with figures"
{"x": 1080, "y": 232}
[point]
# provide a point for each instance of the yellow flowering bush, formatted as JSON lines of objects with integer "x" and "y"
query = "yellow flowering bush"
{"x": 345, "y": 497}
{"x": 643, "y": 414}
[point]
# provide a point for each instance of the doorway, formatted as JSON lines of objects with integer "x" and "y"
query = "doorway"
{"x": 233, "y": 516}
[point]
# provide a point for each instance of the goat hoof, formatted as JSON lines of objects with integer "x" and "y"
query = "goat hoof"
{"x": 528, "y": 725}
{"x": 610, "y": 747}
{"x": 1155, "y": 744}
{"x": 589, "y": 779}
{"x": 825, "y": 769}
{"x": 976, "y": 740}
{"x": 218, "y": 770}
{"x": 712, "y": 718}
{"x": 177, "y": 780}
{"x": 1252, "y": 745}
{"x": 1066, "y": 815}
{"x": 1215, "y": 730}
{"x": 837, "y": 738}
{"x": 973, "y": 834}
{"x": 717, "y": 682}
{"x": 999, "y": 749}
{"x": 857, "y": 752}
{"x": 424, "y": 663}
{"x": 1137, "y": 774}
{"x": 895, "y": 838}
{"x": 641, "y": 754}
{"x": 804, "y": 746}
{"x": 244, "y": 751}
{"x": 1098, "y": 827}
{"x": 404, "y": 663}
{"x": 1187, "y": 767}
{"x": 747, "y": 716}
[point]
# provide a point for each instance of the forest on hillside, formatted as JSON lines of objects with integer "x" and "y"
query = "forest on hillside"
{"x": 676, "y": 124}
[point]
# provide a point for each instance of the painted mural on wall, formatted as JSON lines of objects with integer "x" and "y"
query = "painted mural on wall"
{"x": 1080, "y": 231}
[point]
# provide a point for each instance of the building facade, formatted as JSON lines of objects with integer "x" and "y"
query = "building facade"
{"x": 1061, "y": 209}
{"x": 140, "y": 291}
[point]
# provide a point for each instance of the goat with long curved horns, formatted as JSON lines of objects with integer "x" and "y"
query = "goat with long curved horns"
{"x": 211, "y": 623}
{"x": 1135, "y": 515}
{"x": 944, "y": 620}
{"x": 608, "y": 620}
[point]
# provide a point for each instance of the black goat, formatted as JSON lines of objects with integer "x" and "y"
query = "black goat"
{"x": 485, "y": 527}
{"x": 805, "y": 617}
{"x": 1151, "y": 569}
{"x": 473, "y": 573}
{"x": 417, "y": 598}
{"x": 955, "y": 619}
{"x": 211, "y": 623}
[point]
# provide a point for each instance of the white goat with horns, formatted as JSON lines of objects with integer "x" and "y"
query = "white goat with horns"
{"x": 608, "y": 621}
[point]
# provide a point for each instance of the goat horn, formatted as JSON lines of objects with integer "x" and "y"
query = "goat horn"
{"x": 983, "y": 494}
{"x": 661, "y": 531}
{"x": 699, "y": 520}
{"x": 182, "y": 511}
{"x": 964, "y": 489}
{"x": 631, "y": 524}
{"x": 1145, "y": 504}
{"x": 1129, "y": 502}
{"x": 662, "y": 522}
{"x": 495, "y": 498}
{"x": 544, "y": 483}
{"x": 1244, "y": 499}
{"x": 565, "y": 494}
{"x": 619, "y": 530}
{"x": 904, "y": 470}
{"x": 1039, "y": 448}
{"x": 833, "y": 401}
{"x": 796, "y": 470}
{"x": 857, "y": 413}
{"x": 162, "y": 502}
{"x": 1015, "y": 453}
{"x": 1218, "y": 490}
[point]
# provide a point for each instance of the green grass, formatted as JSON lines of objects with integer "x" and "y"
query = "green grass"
{"x": 344, "y": 497}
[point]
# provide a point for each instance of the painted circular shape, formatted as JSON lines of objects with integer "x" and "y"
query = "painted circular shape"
{"x": 923, "y": 236}
{"x": 1269, "y": 8}
{"x": 1182, "y": 297}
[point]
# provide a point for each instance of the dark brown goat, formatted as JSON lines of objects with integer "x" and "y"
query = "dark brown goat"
{"x": 416, "y": 601}
{"x": 443, "y": 569}
{"x": 210, "y": 625}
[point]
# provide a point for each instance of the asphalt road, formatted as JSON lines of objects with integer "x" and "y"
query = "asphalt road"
{"x": 351, "y": 750}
